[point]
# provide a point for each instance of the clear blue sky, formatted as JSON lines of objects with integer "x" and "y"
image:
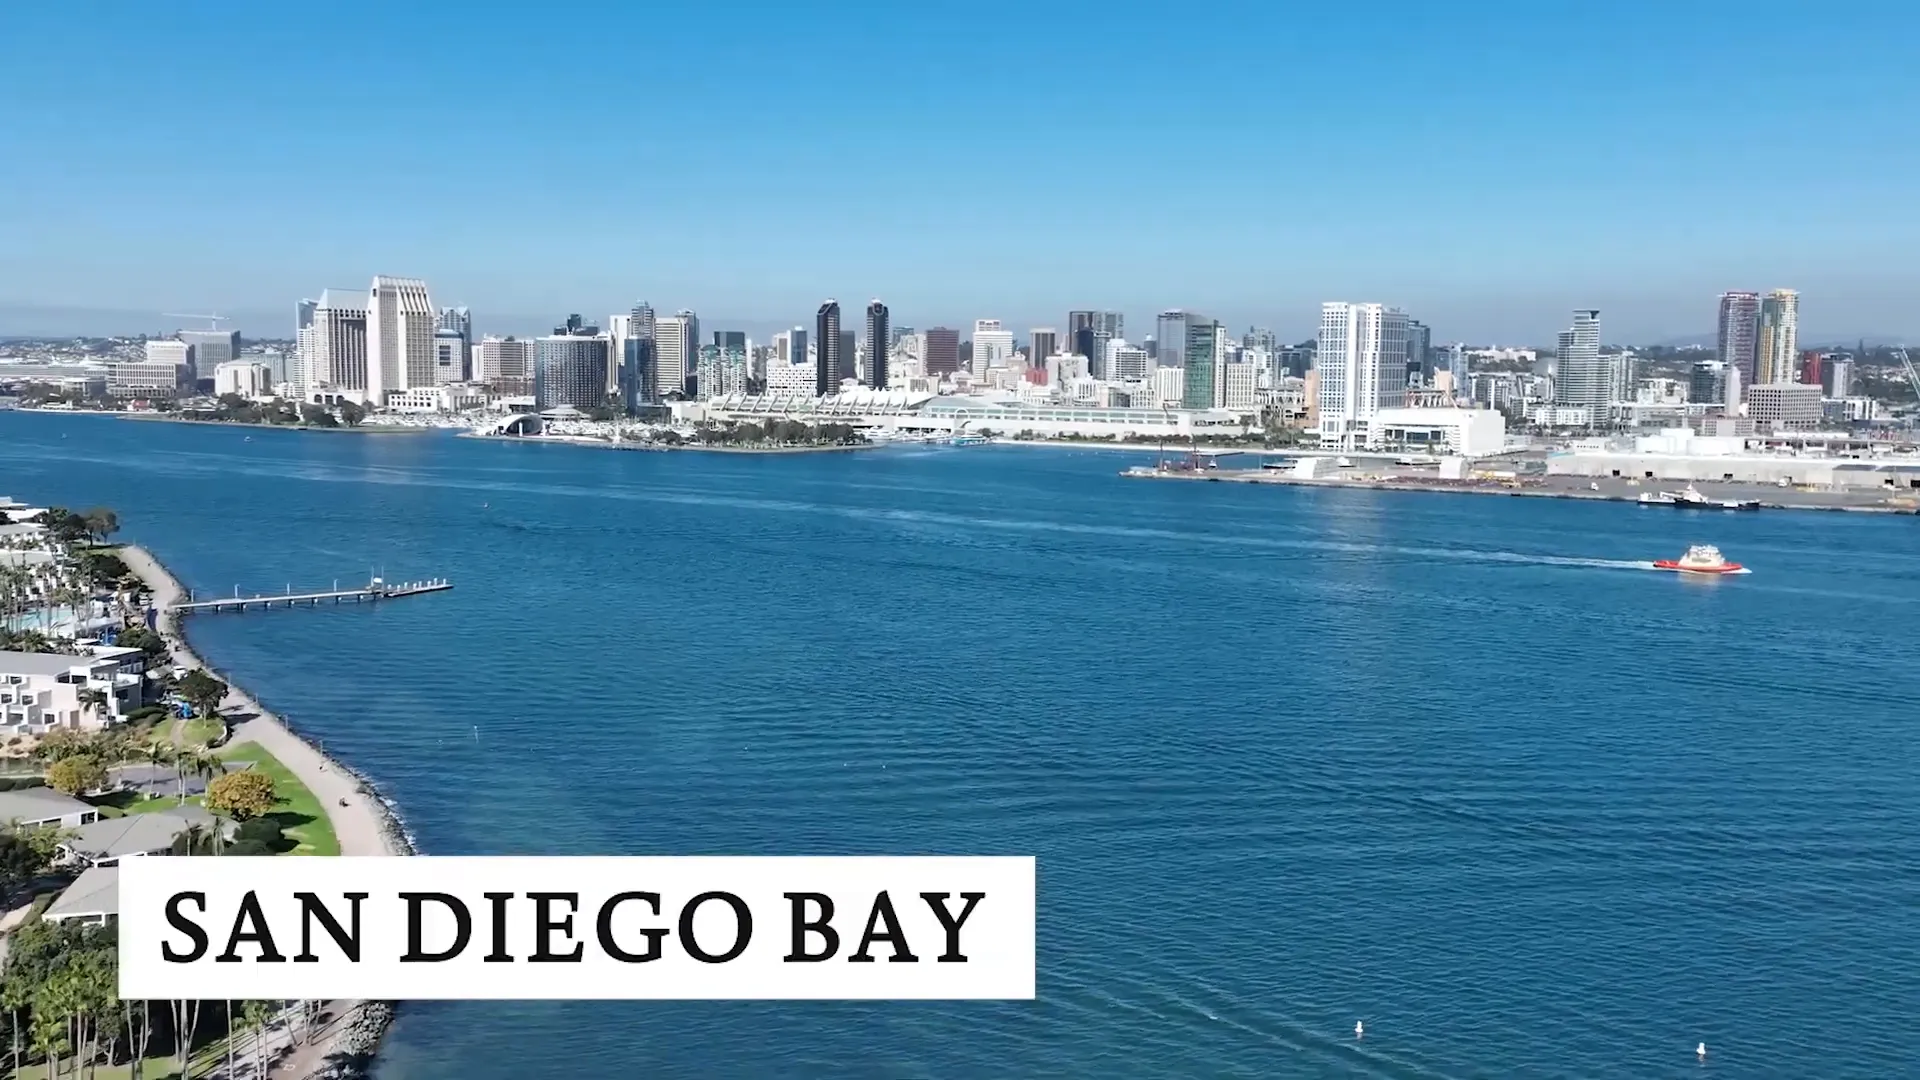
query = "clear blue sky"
{"x": 1487, "y": 166}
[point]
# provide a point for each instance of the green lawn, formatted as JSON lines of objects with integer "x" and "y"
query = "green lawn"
{"x": 299, "y": 812}
{"x": 203, "y": 731}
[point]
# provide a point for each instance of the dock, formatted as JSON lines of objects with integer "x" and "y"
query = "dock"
{"x": 374, "y": 590}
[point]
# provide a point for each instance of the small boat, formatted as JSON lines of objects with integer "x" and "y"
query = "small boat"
{"x": 1664, "y": 498}
{"x": 1701, "y": 559}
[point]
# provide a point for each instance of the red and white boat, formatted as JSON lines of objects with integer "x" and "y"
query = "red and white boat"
{"x": 1701, "y": 559}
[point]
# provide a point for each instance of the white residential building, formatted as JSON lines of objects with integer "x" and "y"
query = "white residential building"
{"x": 1127, "y": 363}
{"x": 43, "y": 691}
{"x": 1362, "y": 365}
{"x": 241, "y": 377}
{"x": 1237, "y": 388}
{"x": 1169, "y": 387}
{"x": 1582, "y": 377}
{"x": 992, "y": 345}
{"x": 401, "y": 321}
{"x": 675, "y": 339}
{"x": 338, "y": 359}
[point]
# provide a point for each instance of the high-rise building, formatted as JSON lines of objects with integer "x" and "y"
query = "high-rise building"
{"x": 211, "y": 348}
{"x": 1361, "y": 363}
{"x": 1776, "y": 347}
{"x": 401, "y": 321}
{"x": 1739, "y": 329}
{"x": 826, "y": 336}
{"x": 1259, "y": 337}
{"x": 459, "y": 320}
{"x": 1419, "y": 348}
{"x": 723, "y": 365}
{"x": 1707, "y": 383}
{"x": 992, "y": 345}
{"x": 848, "y": 357}
{"x": 1583, "y": 378}
{"x": 570, "y": 367}
{"x": 634, "y": 354}
{"x": 879, "y": 343}
{"x": 1127, "y": 363}
{"x": 1042, "y": 342}
{"x": 943, "y": 351}
{"x": 303, "y": 315}
{"x": 676, "y": 338}
{"x": 1839, "y": 373}
{"x": 507, "y": 364}
{"x": 164, "y": 373}
{"x": 1202, "y": 355}
{"x": 450, "y": 354}
{"x": 1170, "y": 335}
{"x": 338, "y": 367}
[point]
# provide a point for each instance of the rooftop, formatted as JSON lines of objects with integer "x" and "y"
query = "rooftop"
{"x": 95, "y": 892}
{"x": 27, "y": 663}
{"x": 138, "y": 834}
{"x": 38, "y": 804}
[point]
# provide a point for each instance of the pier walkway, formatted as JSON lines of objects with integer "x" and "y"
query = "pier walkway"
{"x": 372, "y": 591}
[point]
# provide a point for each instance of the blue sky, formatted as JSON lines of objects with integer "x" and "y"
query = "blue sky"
{"x": 1487, "y": 166}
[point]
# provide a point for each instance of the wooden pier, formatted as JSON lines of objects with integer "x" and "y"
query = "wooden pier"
{"x": 372, "y": 591}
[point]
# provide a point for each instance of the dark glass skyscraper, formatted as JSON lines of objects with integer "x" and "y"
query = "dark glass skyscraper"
{"x": 943, "y": 351}
{"x": 826, "y": 347}
{"x": 878, "y": 341}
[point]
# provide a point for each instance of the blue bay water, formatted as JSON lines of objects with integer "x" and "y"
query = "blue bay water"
{"x": 1288, "y": 758}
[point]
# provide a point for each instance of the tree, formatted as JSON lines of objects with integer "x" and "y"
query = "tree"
{"x": 74, "y": 775}
{"x": 245, "y": 794}
{"x": 20, "y": 861}
{"x": 101, "y": 523}
{"x": 351, "y": 414}
{"x": 254, "y": 1017}
{"x": 202, "y": 691}
{"x": 95, "y": 701}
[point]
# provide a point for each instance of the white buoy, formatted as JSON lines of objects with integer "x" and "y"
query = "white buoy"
{"x": 1701, "y": 1050}
{"x": 1359, "y": 1029}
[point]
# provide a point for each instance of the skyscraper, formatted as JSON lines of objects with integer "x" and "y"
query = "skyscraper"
{"x": 879, "y": 343}
{"x": 634, "y": 354}
{"x": 1583, "y": 377}
{"x": 338, "y": 366}
{"x": 459, "y": 320}
{"x": 676, "y": 339}
{"x": 1042, "y": 342}
{"x": 1776, "y": 348}
{"x": 401, "y": 320}
{"x": 1361, "y": 363}
{"x": 1170, "y": 337}
{"x": 570, "y": 367}
{"x": 303, "y": 315}
{"x": 1739, "y": 327}
{"x": 1201, "y": 356}
{"x": 211, "y": 348}
{"x": 826, "y": 337}
{"x": 1419, "y": 346}
{"x": 992, "y": 345}
{"x": 507, "y": 364}
{"x": 943, "y": 351}
{"x": 450, "y": 357}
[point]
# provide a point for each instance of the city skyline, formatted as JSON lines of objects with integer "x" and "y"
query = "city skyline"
{"x": 1487, "y": 247}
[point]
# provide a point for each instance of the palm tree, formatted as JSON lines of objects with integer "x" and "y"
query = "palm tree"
{"x": 202, "y": 766}
{"x": 254, "y": 1017}
{"x": 95, "y": 700}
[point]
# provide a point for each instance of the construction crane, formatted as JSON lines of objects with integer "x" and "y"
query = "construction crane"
{"x": 1913, "y": 377}
{"x": 215, "y": 320}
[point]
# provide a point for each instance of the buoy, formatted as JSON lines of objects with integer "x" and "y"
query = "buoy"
{"x": 1359, "y": 1029}
{"x": 1701, "y": 1050}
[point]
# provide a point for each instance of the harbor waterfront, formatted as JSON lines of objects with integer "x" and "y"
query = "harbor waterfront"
{"x": 1291, "y": 758}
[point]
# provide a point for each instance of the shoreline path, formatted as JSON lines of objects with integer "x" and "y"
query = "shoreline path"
{"x": 362, "y": 825}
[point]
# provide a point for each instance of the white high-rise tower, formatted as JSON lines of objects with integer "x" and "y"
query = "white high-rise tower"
{"x": 1582, "y": 378}
{"x": 1362, "y": 363}
{"x": 401, "y": 321}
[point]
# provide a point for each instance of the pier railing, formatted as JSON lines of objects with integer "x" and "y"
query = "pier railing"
{"x": 374, "y": 590}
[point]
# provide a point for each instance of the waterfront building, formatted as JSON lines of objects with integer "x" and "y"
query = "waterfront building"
{"x": 1446, "y": 430}
{"x": 674, "y": 340}
{"x": 1786, "y": 406}
{"x": 401, "y": 321}
{"x": 1776, "y": 348}
{"x": 879, "y": 344}
{"x": 40, "y": 692}
{"x": 1739, "y": 330}
{"x": 211, "y": 348}
{"x": 570, "y": 367}
{"x": 723, "y": 366}
{"x": 247, "y": 379}
{"x": 1238, "y": 390}
{"x": 338, "y": 358}
{"x": 942, "y": 351}
{"x": 165, "y": 372}
{"x": 1169, "y": 386}
{"x": 1361, "y": 362}
{"x": 1583, "y": 377}
{"x": 507, "y": 365}
{"x": 826, "y": 336}
{"x": 451, "y": 398}
{"x": 1201, "y": 357}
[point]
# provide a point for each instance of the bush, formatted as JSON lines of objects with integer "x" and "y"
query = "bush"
{"x": 248, "y": 847}
{"x": 16, "y": 783}
{"x": 265, "y": 830}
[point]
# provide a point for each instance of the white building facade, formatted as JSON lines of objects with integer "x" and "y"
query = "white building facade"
{"x": 1362, "y": 369}
{"x": 401, "y": 321}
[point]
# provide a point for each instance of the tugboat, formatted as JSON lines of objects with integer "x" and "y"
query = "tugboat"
{"x": 1701, "y": 559}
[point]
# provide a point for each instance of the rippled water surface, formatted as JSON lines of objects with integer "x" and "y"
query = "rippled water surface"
{"x": 1289, "y": 759}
